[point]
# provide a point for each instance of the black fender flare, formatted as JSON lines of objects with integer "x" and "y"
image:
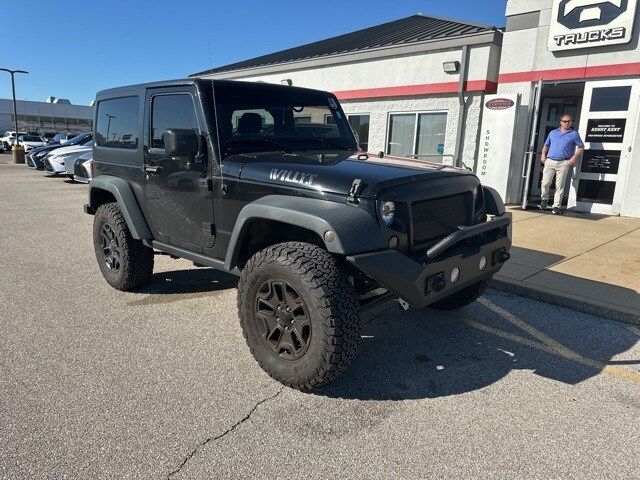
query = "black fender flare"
{"x": 493, "y": 201}
{"x": 355, "y": 229}
{"x": 127, "y": 202}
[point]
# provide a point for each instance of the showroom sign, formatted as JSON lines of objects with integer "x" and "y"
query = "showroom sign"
{"x": 496, "y": 141}
{"x": 590, "y": 23}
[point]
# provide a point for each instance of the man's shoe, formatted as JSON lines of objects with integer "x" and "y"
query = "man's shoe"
{"x": 556, "y": 211}
{"x": 543, "y": 204}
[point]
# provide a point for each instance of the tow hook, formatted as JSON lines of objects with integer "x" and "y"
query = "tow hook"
{"x": 500, "y": 256}
{"x": 403, "y": 304}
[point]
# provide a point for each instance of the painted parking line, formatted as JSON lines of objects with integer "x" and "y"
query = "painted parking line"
{"x": 545, "y": 343}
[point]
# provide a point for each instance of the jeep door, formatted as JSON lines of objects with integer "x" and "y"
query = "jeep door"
{"x": 177, "y": 198}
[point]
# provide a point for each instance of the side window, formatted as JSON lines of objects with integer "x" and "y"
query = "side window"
{"x": 117, "y": 123}
{"x": 171, "y": 111}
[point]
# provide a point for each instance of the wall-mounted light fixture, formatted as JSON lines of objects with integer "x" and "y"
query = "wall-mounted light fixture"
{"x": 451, "y": 67}
{"x": 286, "y": 81}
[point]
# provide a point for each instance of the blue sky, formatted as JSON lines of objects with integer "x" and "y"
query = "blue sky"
{"x": 73, "y": 49}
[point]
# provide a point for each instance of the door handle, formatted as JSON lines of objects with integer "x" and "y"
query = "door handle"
{"x": 152, "y": 168}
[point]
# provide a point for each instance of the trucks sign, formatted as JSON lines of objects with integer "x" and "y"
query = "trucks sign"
{"x": 590, "y": 23}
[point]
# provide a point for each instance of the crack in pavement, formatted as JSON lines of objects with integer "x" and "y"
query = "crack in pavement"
{"x": 218, "y": 437}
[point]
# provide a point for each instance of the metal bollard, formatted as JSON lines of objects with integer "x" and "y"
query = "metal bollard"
{"x": 18, "y": 154}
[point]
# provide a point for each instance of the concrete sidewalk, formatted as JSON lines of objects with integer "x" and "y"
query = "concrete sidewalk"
{"x": 586, "y": 262}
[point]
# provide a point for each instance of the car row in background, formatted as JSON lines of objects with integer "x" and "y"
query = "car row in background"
{"x": 31, "y": 140}
{"x": 71, "y": 159}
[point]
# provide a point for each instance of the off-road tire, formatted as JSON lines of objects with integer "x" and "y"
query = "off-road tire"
{"x": 463, "y": 297}
{"x": 136, "y": 259}
{"x": 332, "y": 306}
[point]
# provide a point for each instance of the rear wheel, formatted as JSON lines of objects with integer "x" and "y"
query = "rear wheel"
{"x": 125, "y": 263}
{"x": 463, "y": 297}
{"x": 299, "y": 314}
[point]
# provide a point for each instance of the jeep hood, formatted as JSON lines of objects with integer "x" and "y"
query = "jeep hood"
{"x": 335, "y": 173}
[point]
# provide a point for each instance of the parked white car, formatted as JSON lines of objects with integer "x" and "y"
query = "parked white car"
{"x": 62, "y": 160}
{"x": 8, "y": 139}
{"x": 30, "y": 142}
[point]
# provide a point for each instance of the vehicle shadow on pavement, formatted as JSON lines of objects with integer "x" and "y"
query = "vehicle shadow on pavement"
{"x": 429, "y": 354}
{"x": 190, "y": 280}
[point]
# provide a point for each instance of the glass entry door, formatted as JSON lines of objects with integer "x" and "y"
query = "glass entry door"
{"x": 609, "y": 112}
{"x": 552, "y": 110}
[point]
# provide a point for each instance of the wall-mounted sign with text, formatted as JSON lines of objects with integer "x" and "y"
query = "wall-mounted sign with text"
{"x": 496, "y": 141}
{"x": 600, "y": 161}
{"x": 590, "y": 23}
{"x": 605, "y": 130}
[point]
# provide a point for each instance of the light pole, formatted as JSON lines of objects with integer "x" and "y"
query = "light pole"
{"x": 13, "y": 87}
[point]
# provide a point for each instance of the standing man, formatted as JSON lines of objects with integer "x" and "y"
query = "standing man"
{"x": 560, "y": 153}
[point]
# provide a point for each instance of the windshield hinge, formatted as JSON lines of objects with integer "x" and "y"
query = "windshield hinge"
{"x": 355, "y": 191}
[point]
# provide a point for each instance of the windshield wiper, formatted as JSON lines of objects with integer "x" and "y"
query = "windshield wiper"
{"x": 250, "y": 141}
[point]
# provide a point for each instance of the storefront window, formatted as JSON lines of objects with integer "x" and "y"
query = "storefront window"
{"x": 431, "y": 130}
{"x": 610, "y": 99}
{"x": 417, "y": 134}
{"x": 360, "y": 126}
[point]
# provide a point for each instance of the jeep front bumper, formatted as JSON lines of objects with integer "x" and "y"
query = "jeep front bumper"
{"x": 476, "y": 252}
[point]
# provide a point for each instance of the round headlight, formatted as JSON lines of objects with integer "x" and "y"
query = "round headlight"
{"x": 387, "y": 212}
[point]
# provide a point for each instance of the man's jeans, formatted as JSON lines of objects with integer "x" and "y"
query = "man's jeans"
{"x": 558, "y": 169}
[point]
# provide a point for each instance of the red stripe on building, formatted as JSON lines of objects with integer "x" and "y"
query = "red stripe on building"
{"x": 485, "y": 86}
{"x": 618, "y": 70}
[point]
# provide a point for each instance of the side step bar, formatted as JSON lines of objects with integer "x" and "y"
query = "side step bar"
{"x": 194, "y": 257}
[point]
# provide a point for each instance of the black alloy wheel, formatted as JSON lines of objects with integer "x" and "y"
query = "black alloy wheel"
{"x": 125, "y": 262}
{"x": 283, "y": 319}
{"x": 299, "y": 314}
{"x": 110, "y": 247}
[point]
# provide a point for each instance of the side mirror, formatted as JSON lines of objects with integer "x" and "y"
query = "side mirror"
{"x": 179, "y": 142}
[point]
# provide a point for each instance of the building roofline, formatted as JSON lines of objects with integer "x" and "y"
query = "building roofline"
{"x": 488, "y": 37}
{"x": 239, "y": 64}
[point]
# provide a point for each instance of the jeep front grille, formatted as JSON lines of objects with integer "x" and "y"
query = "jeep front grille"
{"x": 438, "y": 217}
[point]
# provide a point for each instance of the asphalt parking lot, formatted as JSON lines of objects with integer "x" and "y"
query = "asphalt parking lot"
{"x": 158, "y": 383}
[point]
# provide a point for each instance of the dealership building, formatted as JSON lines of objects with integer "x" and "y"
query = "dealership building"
{"x": 485, "y": 97}
{"x": 53, "y": 115}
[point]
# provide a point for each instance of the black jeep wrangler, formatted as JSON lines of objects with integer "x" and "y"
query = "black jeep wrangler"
{"x": 266, "y": 181}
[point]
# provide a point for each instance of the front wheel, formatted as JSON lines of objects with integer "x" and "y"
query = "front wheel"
{"x": 299, "y": 314}
{"x": 125, "y": 263}
{"x": 462, "y": 297}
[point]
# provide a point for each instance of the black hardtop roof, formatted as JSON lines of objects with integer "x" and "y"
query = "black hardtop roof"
{"x": 137, "y": 88}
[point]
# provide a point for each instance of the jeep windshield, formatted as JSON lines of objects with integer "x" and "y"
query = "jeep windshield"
{"x": 257, "y": 117}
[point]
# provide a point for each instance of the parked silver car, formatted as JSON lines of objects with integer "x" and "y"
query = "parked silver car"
{"x": 82, "y": 168}
{"x": 62, "y": 161}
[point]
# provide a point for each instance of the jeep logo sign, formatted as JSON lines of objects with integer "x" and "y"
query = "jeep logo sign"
{"x": 499, "y": 104}
{"x": 590, "y": 23}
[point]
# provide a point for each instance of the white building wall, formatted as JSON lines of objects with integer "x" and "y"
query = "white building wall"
{"x": 402, "y": 70}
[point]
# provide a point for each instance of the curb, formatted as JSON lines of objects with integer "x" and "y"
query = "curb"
{"x": 572, "y": 302}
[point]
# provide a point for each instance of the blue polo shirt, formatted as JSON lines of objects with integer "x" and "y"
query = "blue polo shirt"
{"x": 562, "y": 145}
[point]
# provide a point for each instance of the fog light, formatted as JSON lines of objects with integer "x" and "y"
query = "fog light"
{"x": 455, "y": 275}
{"x": 393, "y": 242}
{"x": 483, "y": 263}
